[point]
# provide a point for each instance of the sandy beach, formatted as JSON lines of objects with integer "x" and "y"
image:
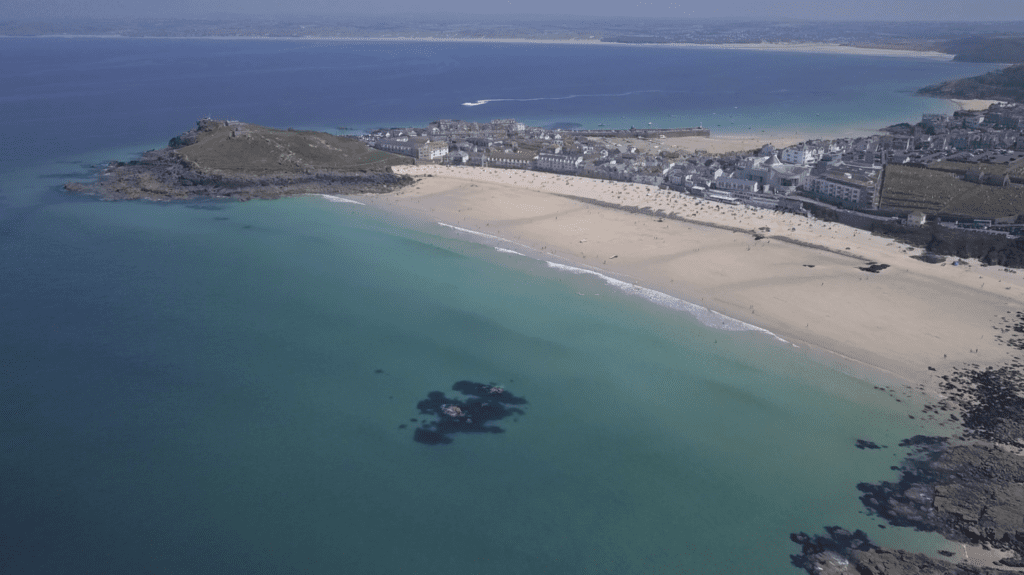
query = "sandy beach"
{"x": 811, "y": 47}
{"x": 975, "y": 104}
{"x": 909, "y": 317}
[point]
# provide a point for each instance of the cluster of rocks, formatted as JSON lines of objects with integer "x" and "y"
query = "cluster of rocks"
{"x": 969, "y": 491}
{"x": 1015, "y": 328}
{"x": 991, "y": 400}
{"x": 485, "y": 403}
{"x": 841, "y": 552}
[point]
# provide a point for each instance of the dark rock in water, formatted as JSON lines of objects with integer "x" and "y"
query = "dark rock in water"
{"x": 923, "y": 440}
{"x": 428, "y": 437}
{"x": 486, "y": 403}
{"x": 863, "y": 444}
{"x": 844, "y": 553}
{"x": 829, "y": 554}
{"x": 967, "y": 493}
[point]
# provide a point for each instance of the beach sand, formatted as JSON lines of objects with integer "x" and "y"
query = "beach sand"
{"x": 901, "y": 321}
{"x": 975, "y": 104}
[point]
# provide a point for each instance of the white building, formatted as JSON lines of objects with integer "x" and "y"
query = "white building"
{"x": 517, "y": 160}
{"x": 737, "y": 185}
{"x": 558, "y": 162}
{"x": 852, "y": 186}
{"x": 802, "y": 155}
{"x": 420, "y": 148}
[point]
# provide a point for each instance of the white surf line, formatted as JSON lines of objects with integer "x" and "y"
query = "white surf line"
{"x": 481, "y": 234}
{"x": 340, "y": 200}
{"x": 504, "y": 251}
{"x": 707, "y": 317}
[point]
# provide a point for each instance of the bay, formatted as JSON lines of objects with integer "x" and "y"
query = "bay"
{"x": 221, "y": 388}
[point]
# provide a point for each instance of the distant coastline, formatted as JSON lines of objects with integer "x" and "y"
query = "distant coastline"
{"x": 805, "y": 47}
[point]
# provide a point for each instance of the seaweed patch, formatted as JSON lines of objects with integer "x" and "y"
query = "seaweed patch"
{"x": 484, "y": 404}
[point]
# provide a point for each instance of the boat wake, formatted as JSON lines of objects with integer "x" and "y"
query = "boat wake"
{"x": 569, "y": 97}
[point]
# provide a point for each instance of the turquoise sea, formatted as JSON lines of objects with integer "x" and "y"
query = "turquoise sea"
{"x": 230, "y": 388}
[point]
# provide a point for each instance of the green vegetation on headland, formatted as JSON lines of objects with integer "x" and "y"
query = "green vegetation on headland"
{"x": 996, "y": 49}
{"x": 1006, "y": 85}
{"x": 224, "y": 159}
{"x": 942, "y": 190}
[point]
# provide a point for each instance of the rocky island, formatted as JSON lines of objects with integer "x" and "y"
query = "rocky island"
{"x": 239, "y": 161}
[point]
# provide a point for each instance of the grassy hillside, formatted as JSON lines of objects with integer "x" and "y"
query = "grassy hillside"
{"x": 1005, "y": 49}
{"x": 258, "y": 150}
{"x": 940, "y": 192}
{"x": 1006, "y": 84}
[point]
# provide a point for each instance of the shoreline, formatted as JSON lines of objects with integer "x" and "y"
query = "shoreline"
{"x": 707, "y": 254}
{"x": 807, "y": 47}
{"x": 974, "y": 105}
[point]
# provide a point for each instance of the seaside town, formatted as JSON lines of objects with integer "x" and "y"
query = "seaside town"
{"x": 979, "y": 149}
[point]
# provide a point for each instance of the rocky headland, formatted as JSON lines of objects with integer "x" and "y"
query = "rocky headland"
{"x": 969, "y": 488}
{"x": 1006, "y": 85}
{"x": 234, "y": 160}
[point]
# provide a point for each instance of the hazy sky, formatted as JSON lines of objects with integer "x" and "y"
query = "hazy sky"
{"x": 958, "y": 10}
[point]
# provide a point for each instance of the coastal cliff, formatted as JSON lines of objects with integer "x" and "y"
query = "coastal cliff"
{"x": 234, "y": 160}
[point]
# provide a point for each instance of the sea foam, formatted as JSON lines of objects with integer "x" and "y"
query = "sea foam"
{"x": 341, "y": 200}
{"x": 709, "y": 318}
{"x": 481, "y": 234}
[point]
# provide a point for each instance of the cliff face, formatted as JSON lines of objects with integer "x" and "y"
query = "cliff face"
{"x": 244, "y": 161}
{"x": 1006, "y": 84}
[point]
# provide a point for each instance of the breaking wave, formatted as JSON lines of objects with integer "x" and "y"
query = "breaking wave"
{"x": 704, "y": 315}
{"x": 504, "y": 251}
{"x": 481, "y": 234}
{"x": 341, "y": 200}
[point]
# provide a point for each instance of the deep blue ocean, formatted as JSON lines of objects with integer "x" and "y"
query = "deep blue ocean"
{"x": 231, "y": 388}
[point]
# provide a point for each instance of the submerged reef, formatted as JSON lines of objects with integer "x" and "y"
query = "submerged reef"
{"x": 485, "y": 403}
